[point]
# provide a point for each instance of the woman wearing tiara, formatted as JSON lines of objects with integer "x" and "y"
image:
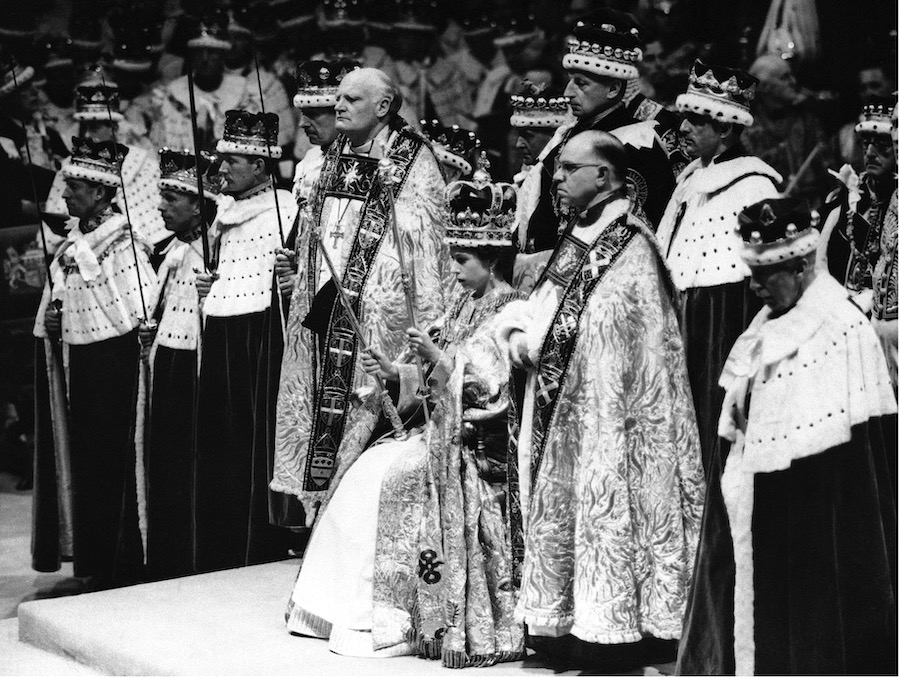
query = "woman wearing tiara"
{"x": 412, "y": 552}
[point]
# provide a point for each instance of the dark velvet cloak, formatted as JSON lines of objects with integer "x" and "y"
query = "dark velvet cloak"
{"x": 824, "y": 559}
{"x": 233, "y": 463}
{"x": 169, "y": 464}
{"x": 102, "y": 392}
{"x": 712, "y": 318}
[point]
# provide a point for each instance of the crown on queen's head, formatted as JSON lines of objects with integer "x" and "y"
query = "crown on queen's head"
{"x": 250, "y": 134}
{"x": 719, "y": 92}
{"x": 535, "y": 108}
{"x": 482, "y": 212}
{"x": 178, "y": 171}
{"x": 317, "y": 82}
{"x": 452, "y": 145}
{"x": 95, "y": 161}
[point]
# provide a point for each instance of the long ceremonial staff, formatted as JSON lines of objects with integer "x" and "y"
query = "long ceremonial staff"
{"x": 137, "y": 265}
{"x": 204, "y": 224}
{"x": 387, "y": 405}
{"x": 817, "y": 149}
{"x": 386, "y": 172}
{"x": 262, "y": 106}
{"x": 143, "y": 393}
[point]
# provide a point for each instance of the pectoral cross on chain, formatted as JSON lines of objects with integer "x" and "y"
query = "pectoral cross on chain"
{"x": 337, "y": 235}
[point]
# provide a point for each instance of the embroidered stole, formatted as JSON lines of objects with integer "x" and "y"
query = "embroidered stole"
{"x": 578, "y": 269}
{"x": 354, "y": 177}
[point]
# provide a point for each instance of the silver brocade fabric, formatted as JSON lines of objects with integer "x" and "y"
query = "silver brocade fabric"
{"x": 614, "y": 515}
{"x": 443, "y": 572}
{"x": 421, "y": 220}
{"x": 884, "y": 279}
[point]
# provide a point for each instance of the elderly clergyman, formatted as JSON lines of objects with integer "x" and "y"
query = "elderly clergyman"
{"x": 319, "y": 427}
{"x": 610, "y": 474}
{"x": 796, "y": 572}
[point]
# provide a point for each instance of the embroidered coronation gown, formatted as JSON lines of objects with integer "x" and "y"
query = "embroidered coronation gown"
{"x": 411, "y": 553}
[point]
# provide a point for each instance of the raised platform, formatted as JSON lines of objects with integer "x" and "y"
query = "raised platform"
{"x": 225, "y": 623}
{"x": 20, "y": 659}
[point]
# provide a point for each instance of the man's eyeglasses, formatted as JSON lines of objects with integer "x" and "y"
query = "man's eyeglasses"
{"x": 882, "y": 145}
{"x": 569, "y": 168}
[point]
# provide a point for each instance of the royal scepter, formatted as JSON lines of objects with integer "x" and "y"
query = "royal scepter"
{"x": 387, "y": 172}
{"x": 387, "y": 405}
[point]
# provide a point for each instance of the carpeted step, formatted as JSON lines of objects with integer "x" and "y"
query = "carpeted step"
{"x": 225, "y": 623}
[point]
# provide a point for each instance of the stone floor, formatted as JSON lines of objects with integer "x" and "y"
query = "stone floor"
{"x": 18, "y": 582}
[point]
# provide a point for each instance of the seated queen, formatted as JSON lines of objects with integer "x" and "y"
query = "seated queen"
{"x": 412, "y": 552}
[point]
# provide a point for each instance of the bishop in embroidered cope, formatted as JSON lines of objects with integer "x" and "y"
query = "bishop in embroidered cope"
{"x": 352, "y": 220}
{"x": 609, "y": 461}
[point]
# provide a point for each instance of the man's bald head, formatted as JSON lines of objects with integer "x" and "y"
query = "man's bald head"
{"x": 603, "y": 146}
{"x": 591, "y": 164}
{"x": 377, "y": 83}
{"x": 777, "y": 87}
{"x": 366, "y": 99}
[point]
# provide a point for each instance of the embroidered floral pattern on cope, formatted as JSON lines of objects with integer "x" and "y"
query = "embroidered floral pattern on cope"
{"x": 383, "y": 316}
{"x": 443, "y": 567}
{"x": 615, "y": 508}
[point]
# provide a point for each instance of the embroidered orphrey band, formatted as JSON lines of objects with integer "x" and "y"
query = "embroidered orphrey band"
{"x": 592, "y": 265}
{"x": 339, "y": 358}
